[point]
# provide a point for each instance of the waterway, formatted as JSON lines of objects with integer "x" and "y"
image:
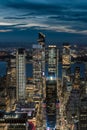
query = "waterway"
{"x": 3, "y": 68}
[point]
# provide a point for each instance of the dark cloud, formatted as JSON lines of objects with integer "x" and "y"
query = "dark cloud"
{"x": 71, "y": 16}
{"x": 14, "y": 17}
{"x": 45, "y": 15}
{"x": 64, "y": 12}
{"x": 37, "y": 8}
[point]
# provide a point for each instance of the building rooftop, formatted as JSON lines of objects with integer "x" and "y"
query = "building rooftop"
{"x": 21, "y": 50}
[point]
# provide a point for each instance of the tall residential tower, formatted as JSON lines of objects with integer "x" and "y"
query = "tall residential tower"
{"x": 21, "y": 75}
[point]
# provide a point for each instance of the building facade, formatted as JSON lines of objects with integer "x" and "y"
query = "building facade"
{"x": 21, "y": 74}
{"x": 51, "y": 87}
{"x": 37, "y": 67}
{"x": 51, "y": 96}
{"x": 52, "y": 61}
{"x": 83, "y": 114}
{"x": 66, "y": 65}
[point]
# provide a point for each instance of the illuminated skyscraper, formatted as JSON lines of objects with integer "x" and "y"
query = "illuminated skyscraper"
{"x": 66, "y": 57}
{"x": 66, "y": 80}
{"x": 66, "y": 62}
{"x": 41, "y": 41}
{"x": 77, "y": 78}
{"x": 39, "y": 62}
{"x": 53, "y": 61}
{"x": 51, "y": 96}
{"x": 83, "y": 114}
{"x": 21, "y": 75}
{"x": 37, "y": 66}
{"x": 51, "y": 87}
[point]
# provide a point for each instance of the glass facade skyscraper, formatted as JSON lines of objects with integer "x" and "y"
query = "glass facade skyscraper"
{"x": 21, "y": 76}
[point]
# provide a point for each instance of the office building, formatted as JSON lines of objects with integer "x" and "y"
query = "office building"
{"x": 66, "y": 57}
{"x": 66, "y": 65}
{"x": 83, "y": 114}
{"x": 52, "y": 61}
{"x": 37, "y": 67}
{"x": 72, "y": 106}
{"x": 51, "y": 87}
{"x": 51, "y": 96}
{"x": 21, "y": 74}
{"x": 41, "y": 41}
{"x": 76, "y": 84}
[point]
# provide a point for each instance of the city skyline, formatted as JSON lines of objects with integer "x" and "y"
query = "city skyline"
{"x": 43, "y": 101}
{"x": 61, "y": 21}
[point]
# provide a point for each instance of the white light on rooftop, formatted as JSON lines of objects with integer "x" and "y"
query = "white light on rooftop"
{"x": 51, "y": 78}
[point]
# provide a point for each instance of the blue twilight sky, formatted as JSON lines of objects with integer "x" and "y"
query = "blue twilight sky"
{"x": 60, "y": 20}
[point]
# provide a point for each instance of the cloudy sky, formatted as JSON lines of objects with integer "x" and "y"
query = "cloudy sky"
{"x": 60, "y": 20}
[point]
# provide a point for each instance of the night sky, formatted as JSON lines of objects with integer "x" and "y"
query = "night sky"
{"x": 60, "y": 20}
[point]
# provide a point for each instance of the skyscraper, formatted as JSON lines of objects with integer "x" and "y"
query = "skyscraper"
{"x": 37, "y": 71}
{"x": 76, "y": 84}
{"x": 66, "y": 64}
{"x": 51, "y": 87}
{"x": 51, "y": 96}
{"x": 41, "y": 41}
{"x": 21, "y": 76}
{"x": 39, "y": 62}
{"x": 83, "y": 114}
{"x": 53, "y": 61}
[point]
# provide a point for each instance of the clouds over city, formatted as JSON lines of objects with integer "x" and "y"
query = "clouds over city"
{"x": 60, "y": 16}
